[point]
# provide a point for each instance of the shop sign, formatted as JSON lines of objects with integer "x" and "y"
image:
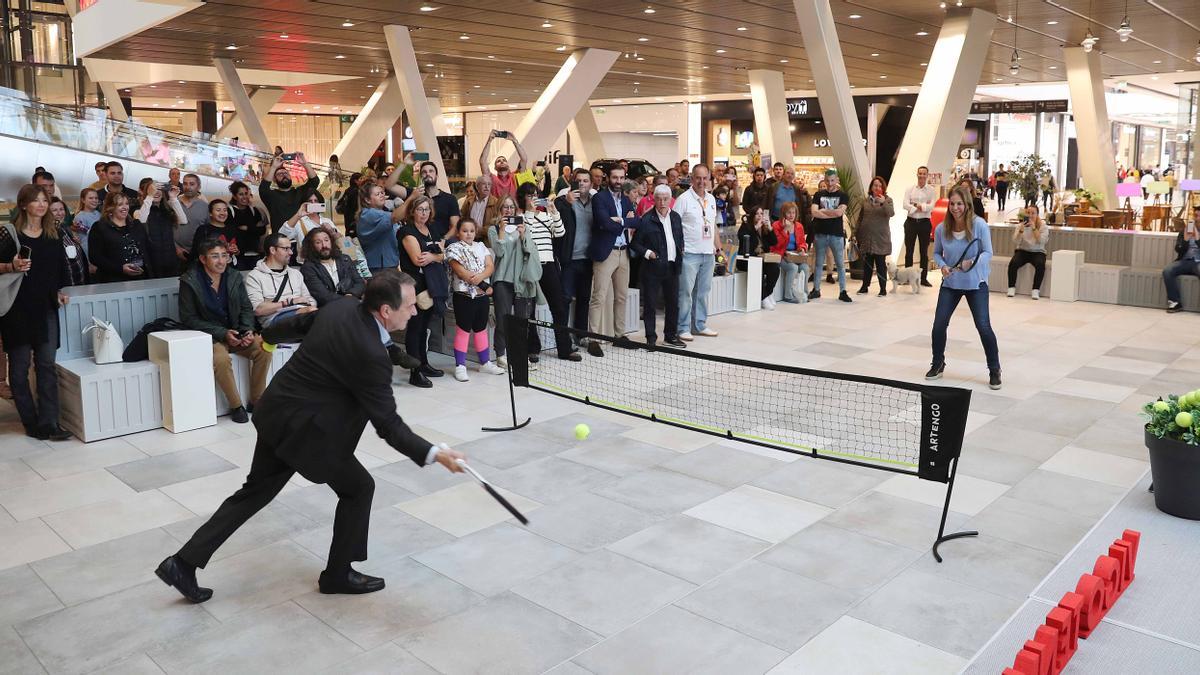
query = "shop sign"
{"x": 1018, "y": 107}
{"x": 797, "y": 108}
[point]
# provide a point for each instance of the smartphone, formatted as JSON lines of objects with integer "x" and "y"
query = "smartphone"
{"x": 420, "y": 156}
{"x": 503, "y": 134}
{"x": 25, "y": 253}
{"x": 288, "y": 156}
{"x": 540, "y": 202}
{"x": 541, "y": 163}
{"x": 512, "y": 220}
{"x": 244, "y": 334}
{"x": 316, "y": 207}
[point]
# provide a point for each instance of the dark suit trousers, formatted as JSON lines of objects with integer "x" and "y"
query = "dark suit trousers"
{"x": 268, "y": 474}
{"x": 658, "y": 281}
{"x": 551, "y": 285}
{"x": 577, "y": 286}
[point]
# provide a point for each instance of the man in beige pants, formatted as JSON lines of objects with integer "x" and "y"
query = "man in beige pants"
{"x": 613, "y": 220}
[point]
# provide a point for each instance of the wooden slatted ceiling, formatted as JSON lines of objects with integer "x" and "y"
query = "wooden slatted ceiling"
{"x": 679, "y": 57}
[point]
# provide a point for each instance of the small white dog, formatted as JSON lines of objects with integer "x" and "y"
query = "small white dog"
{"x": 904, "y": 276}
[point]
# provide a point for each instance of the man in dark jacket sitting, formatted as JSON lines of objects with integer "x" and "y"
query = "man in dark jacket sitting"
{"x": 328, "y": 273}
{"x": 213, "y": 299}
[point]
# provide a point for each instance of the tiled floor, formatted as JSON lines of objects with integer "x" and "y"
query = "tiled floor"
{"x": 651, "y": 549}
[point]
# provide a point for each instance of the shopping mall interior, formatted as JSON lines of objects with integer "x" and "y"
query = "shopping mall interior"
{"x": 877, "y": 478}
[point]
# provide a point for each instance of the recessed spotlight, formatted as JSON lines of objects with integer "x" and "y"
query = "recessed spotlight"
{"x": 643, "y": 39}
{"x": 283, "y": 36}
{"x": 924, "y": 64}
{"x": 922, "y": 33}
{"x": 182, "y": 82}
{"x": 232, "y": 47}
{"x": 617, "y": 100}
{"x": 720, "y": 51}
{"x": 1051, "y": 23}
{"x": 1154, "y": 77}
{"x": 370, "y": 86}
{"x": 490, "y": 56}
{"x": 783, "y": 60}
{"x": 883, "y": 77}
{"x": 560, "y": 48}
{"x": 856, "y": 16}
{"x": 155, "y": 105}
{"x": 642, "y": 58}
{"x": 874, "y": 53}
{"x": 474, "y": 86}
{"x": 999, "y": 79}
{"x": 340, "y": 56}
{"x": 648, "y": 10}
{"x": 704, "y": 67}
{"x": 742, "y": 28}
{"x": 154, "y": 86}
{"x": 658, "y": 98}
{"x": 464, "y": 36}
{"x": 347, "y": 24}
{"x": 903, "y": 88}
{"x": 547, "y": 24}
{"x": 127, "y": 91}
{"x": 427, "y": 8}
{"x": 1159, "y": 61}
{"x": 1053, "y": 67}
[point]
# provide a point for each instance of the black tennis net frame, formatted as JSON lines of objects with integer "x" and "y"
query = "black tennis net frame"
{"x": 943, "y": 418}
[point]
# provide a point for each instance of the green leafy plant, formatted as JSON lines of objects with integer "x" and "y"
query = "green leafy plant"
{"x": 1082, "y": 193}
{"x": 1175, "y": 417}
{"x": 854, "y": 189}
{"x": 1027, "y": 172}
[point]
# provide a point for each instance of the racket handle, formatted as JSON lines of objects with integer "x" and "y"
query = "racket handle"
{"x": 504, "y": 502}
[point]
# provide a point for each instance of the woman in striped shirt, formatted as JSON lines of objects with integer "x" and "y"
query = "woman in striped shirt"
{"x": 543, "y": 227}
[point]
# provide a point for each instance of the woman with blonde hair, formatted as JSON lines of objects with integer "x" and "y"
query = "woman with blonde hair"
{"x": 963, "y": 276}
{"x": 517, "y": 272}
{"x": 1030, "y": 238}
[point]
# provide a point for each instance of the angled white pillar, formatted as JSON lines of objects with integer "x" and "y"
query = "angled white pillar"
{"x": 380, "y": 113}
{"x": 1097, "y": 161}
{"x": 940, "y": 113}
{"x": 261, "y": 101}
{"x": 107, "y": 23}
{"x": 435, "y": 113}
{"x": 833, "y": 87}
{"x": 241, "y": 103}
{"x": 770, "y": 115}
{"x": 112, "y": 96}
{"x": 586, "y": 133}
{"x": 412, "y": 92}
{"x": 562, "y": 99}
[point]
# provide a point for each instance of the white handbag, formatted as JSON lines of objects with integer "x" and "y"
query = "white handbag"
{"x": 107, "y": 345}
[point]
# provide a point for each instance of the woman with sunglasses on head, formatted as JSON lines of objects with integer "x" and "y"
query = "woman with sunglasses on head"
{"x": 963, "y": 276}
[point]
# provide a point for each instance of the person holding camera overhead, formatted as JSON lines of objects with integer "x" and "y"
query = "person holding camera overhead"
{"x": 279, "y": 195}
{"x": 160, "y": 213}
{"x": 377, "y": 228}
{"x": 444, "y": 225}
{"x": 504, "y": 181}
{"x": 309, "y": 217}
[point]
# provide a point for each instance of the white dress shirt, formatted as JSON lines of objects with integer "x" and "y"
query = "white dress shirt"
{"x": 924, "y": 196}
{"x": 699, "y": 215}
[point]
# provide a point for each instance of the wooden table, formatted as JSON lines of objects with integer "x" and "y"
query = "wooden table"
{"x": 1084, "y": 220}
{"x": 1151, "y": 215}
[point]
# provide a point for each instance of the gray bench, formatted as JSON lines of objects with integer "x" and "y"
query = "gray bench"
{"x": 998, "y": 277}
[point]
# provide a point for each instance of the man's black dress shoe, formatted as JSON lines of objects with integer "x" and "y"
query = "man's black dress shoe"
{"x": 175, "y": 573}
{"x": 418, "y": 379}
{"x": 430, "y": 371}
{"x": 239, "y": 415}
{"x": 401, "y": 358}
{"x": 36, "y": 432}
{"x": 594, "y": 349}
{"x": 353, "y": 583}
{"x": 675, "y": 342}
{"x": 625, "y": 343}
{"x": 570, "y": 356}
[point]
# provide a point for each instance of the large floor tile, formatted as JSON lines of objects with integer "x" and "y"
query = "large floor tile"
{"x": 319, "y": 502}
{"x": 840, "y": 558}
{"x": 418, "y": 480}
{"x": 106, "y": 630}
{"x": 171, "y": 468}
{"x": 821, "y": 482}
{"x": 23, "y": 595}
{"x": 389, "y": 659}
{"x": 466, "y": 508}
{"x": 669, "y": 437}
{"x": 603, "y": 592}
{"x": 394, "y": 534}
{"x": 551, "y": 479}
{"x": 15, "y": 657}
{"x": 496, "y": 559}
{"x": 688, "y": 548}
{"x": 992, "y": 564}
{"x": 946, "y": 614}
{"x": 588, "y": 522}
{"x": 997, "y": 466}
{"x": 138, "y": 664}
{"x": 759, "y": 513}
{"x": 505, "y": 634}
{"x": 1032, "y": 524}
{"x": 63, "y": 493}
{"x": 16, "y": 473}
{"x": 161, "y": 441}
{"x": 79, "y": 458}
{"x": 203, "y": 495}
{"x": 258, "y": 578}
{"x": 660, "y": 492}
{"x": 1035, "y": 445}
{"x": 284, "y": 638}
{"x": 27, "y": 541}
{"x": 1097, "y": 466}
{"x": 95, "y": 523}
{"x": 1074, "y": 495}
{"x": 561, "y": 429}
{"x": 723, "y": 465}
{"x": 105, "y": 568}
{"x": 273, "y": 523}
{"x": 619, "y": 455}
{"x": 414, "y": 597}
{"x": 1056, "y": 414}
{"x": 674, "y": 640}
{"x": 894, "y": 519}
{"x": 761, "y": 601}
{"x": 971, "y": 495}
{"x": 840, "y": 649}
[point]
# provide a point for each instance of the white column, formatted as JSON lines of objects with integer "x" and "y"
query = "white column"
{"x": 562, "y": 99}
{"x": 589, "y": 144}
{"x": 1097, "y": 160}
{"x": 112, "y": 96}
{"x": 241, "y": 103}
{"x": 371, "y": 126}
{"x": 770, "y": 115}
{"x": 833, "y": 87}
{"x": 412, "y": 92}
{"x": 261, "y": 101}
{"x": 940, "y": 113}
{"x": 435, "y": 113}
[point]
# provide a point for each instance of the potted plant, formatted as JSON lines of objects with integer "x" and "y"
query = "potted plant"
{"x": 1173, "y": 439}
{"x": 1086, "y": 198}
{"x": 1026, "y": 173}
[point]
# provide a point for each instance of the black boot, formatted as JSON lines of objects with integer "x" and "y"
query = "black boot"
{"x": 175, "y": 572}
{"x": 935, "y": 371}
{"x": 418, "y": 379}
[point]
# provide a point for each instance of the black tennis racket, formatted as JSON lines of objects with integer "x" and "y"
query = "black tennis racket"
{"x": 493, "y": 492}
{"x": 971, "y": 253}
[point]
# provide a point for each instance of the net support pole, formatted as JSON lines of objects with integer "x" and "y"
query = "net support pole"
{"x": 942, "y": 536}
{"x": 512, "y": 399}
{"x": 518, "y": 364}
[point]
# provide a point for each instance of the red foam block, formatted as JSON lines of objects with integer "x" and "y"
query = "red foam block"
{"x": 1091, "y": 587}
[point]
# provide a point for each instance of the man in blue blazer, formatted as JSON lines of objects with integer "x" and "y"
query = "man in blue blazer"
{"x": 662, "y": 262}
{"x": 613, "y": 221}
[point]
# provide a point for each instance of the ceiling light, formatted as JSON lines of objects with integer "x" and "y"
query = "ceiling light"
{"x": 648, "y": 10}
{"x": 922, "y": 33}
{"x": 155, "y": 105}
{"x": 427, "y": 8}
{"x": 874, "y": 53}
{"x": 1159, "y": 61}
{"x": 1089, "y": 41}
{"x": 560, "y": 48}
{"x": 231, "y": 47}
{"x": 154, "y": 86}
{"x": 1197, "y": 56}
{"x": 1013, "y": 66}
{"x": 347, "y": 24}
{"x": 508, "y": 72}
{"x": 941, "y": 5}
{"x": 856, "y": 16}
{"x": 283, "y": 36}
{"x": 742, "y": 28}
{"x": 474, "y": 86}
{"x": 1124, "y": 31}
{"x": 126, "y": 91}
{"x": 547, "y": 24}
{"x": 924, "y": 64}
{"x": 642, "y": 58}
{"x": 883, "y": 77}
{"x": 490, "y": 56}
{"x": 783, "y": 60}
{"x": 903, "y": 88}
{"x": 1051, "y": 23}
{"x": 1053, "y": 67}
{"x": 720, "y": 51}
{"x": 1154, "y": 77}
{"x": 643, "y": 39}
{"x": 617, "y": 100}
{"x": 340, "y": 56}
{"x": 464, "y": 36}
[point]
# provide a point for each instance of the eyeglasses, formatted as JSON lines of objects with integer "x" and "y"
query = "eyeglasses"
{"x": 217, "y": 256}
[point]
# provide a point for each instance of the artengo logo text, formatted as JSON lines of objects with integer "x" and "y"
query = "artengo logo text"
{"x": 935, "y": 421}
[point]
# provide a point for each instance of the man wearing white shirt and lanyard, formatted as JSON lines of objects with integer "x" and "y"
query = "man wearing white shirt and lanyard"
{"x": 698, "y": 211}
{"x": 918, "y": 202}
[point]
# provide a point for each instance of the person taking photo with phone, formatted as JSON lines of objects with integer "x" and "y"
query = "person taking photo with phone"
{"x": 310, "y": 216}
{"x": 30, "y": 249}
{"x": 119, "y": 244}
{"x": 279, "y": 195}
{"x": 160, "y": 214}
{"x": 504, "y": 181}
{"x": 1187, "y": 261}
{"x": 1030, "y": 237}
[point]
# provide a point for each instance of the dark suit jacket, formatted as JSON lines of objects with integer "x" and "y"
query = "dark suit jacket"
{"x": 604, "y": 229}
{"x": 564, "y": 246}
{"x": 650, "y": 237}
{"x": 316, "y": 407}
{"x": 321, "y": 285}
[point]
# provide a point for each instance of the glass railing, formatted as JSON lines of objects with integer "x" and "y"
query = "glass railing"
{"x": 94, "y": 131}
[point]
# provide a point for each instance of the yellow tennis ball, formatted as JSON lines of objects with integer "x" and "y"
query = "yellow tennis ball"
{"x": 1161, "y": 406}
{"x": 268, "y": 347}
{"x": 1183, "y": 420}
{"x": 582, "y": 431}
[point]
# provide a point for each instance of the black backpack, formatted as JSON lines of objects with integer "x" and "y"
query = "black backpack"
{"x": 139, "y": 347}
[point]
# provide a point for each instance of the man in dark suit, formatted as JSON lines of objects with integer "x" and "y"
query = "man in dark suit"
{"x": 323, "y": 260}
{"x": 658, "y": 241}
{"x": 573, "y": 250}
{"x": 309, "y": 422}
{"x": 613, "y": 222}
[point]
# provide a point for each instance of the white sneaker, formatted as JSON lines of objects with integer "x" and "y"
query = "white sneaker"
{"x": 502, "y": 362}
{"x": 707, "y": 332}
{"x": 768, "y": 304}
{"x": 491, "y": 369}
{"x": 460, "y": 374}
{"x": 687, "y": 337}
{"x": 1012, "y": 292}
{"x": 1036, "y": 294}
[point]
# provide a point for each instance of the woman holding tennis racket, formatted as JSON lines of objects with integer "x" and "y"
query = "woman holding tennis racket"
{"x": 962, "y": 249}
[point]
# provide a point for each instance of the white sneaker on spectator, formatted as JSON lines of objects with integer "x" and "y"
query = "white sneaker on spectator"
{"x": 1036, "y": 294}
{"x": 707, "y": 332}
{"x": 460, "y": 374}
{"x": 502, "y": 362}
{"x": 1012, "y": 292}
{"x": 768, "y": 304}
{"x": 491, "y": 369}
{"x": 687, "y": 337}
